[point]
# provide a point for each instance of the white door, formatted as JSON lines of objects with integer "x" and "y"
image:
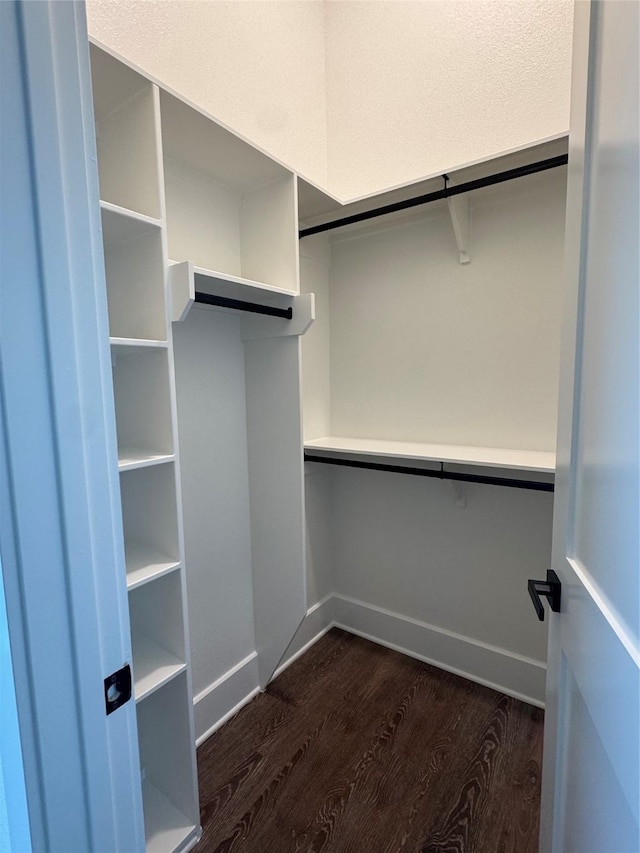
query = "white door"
{"x": 590, "y": 793}
{"x": 61, "y": 547}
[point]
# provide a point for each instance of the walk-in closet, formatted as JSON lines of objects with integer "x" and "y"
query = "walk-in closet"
{"x": 327, "y": 416}
{"x": 319, "y": 416}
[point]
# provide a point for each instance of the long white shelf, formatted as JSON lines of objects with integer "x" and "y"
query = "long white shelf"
{"x": 153, "y": 666}
{"x": 223, "y": 284}
{"x": 133, "y": 457}
{"x": 486, "y": 457}
{"x": 166, "y": 828}
{"x": 144, "y": 564}
{"x": 185, "y": 279}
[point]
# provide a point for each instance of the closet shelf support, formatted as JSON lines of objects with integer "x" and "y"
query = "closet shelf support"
{"x": 461, "y": 221}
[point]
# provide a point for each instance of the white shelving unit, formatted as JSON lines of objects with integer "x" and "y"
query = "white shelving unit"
{"x": 229, "y": 207}
{"x": 157, "y": 633}
{"x": 166, "y": 747}
{"x": 410, "y": 348}
{"x": 134, "y": 235}
{"x": 232, "y": 227}
{"x": 135, "y": 268}
{"x": 418, "y": 363}
{"x": 188, "y": 207}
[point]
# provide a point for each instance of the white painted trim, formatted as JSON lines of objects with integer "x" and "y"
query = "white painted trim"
{"x": 607, "y": 611}
{"x": 62, "y": 549}
{"x": 228, "y": 674}
{"x": 226, "y": 717}
{"x": 317, "y": 622}
{"x": 508, "y": 672}
{"x": 225, "y": 697}
{"x": 494, "y": 667}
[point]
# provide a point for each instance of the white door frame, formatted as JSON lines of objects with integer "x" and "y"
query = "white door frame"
{"x": 60, "y": 522}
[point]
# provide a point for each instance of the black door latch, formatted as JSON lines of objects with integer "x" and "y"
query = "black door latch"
{"x": 551, "y": 589}
{"x": 117, "y": 689}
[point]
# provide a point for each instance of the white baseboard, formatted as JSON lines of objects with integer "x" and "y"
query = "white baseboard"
{"x": 217, "y": 703}
{"x": 508, "y": 672}
{"x": 224, "y": 698}
{"x": 317, "y": 622}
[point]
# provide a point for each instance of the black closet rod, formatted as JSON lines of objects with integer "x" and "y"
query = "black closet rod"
{"x": 439, "y": 474}
{"x": 239, "y": 305}
{"x": 469, "y": 186}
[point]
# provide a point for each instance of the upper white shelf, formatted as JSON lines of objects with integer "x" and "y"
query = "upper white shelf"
{"x": 186, "y": 280}
{"x": 486, "y": 457}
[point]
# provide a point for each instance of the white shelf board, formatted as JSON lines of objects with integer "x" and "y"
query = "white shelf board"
{"x": 134, "y": 457}
{"x": 244, "y": 287}
{"x": 120, "y": 223}
{"x": 486, "y": 457}
{"x": 153, "y": 666}
{"x": 186, "y": 279}
{"x": 166, "y": 828}
{"x": 133, "y": 344}
{"x": 144, "y": 564}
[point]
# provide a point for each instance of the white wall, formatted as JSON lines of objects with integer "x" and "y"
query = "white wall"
{"x": 359, "y": 96}
{"x": 415, "y": 88}
{"x": 424, "y": 348}
{"x": 418, "y": 347}
{"x": 212, "y": 426}
{"x": 258, "y": 67}
{"x": 402, "y": 546}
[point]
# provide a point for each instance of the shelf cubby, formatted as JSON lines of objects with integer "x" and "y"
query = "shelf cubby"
{"x": 126, "y": 110}
{"x": 230, "y": 208}
{"x": 168, "y": 786}
{"x": 143, "y": 405}
{"x": 157, "y": 634}
{"x": 135, "y": 273}
{"x": 150, "y": 520}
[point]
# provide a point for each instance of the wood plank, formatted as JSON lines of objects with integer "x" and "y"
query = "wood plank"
{"x": 358, "y": 748}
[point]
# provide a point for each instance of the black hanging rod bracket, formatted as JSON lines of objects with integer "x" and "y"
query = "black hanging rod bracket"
{"x": 240, "y": 305}
{"x": 437, "y": 473}
{"x": 446, "y": 192}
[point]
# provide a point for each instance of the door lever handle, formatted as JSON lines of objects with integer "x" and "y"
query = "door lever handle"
{"x": 551, "y": 589}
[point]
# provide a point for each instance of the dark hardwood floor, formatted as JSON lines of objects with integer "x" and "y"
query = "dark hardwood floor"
{"x": 359, "y": 749}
